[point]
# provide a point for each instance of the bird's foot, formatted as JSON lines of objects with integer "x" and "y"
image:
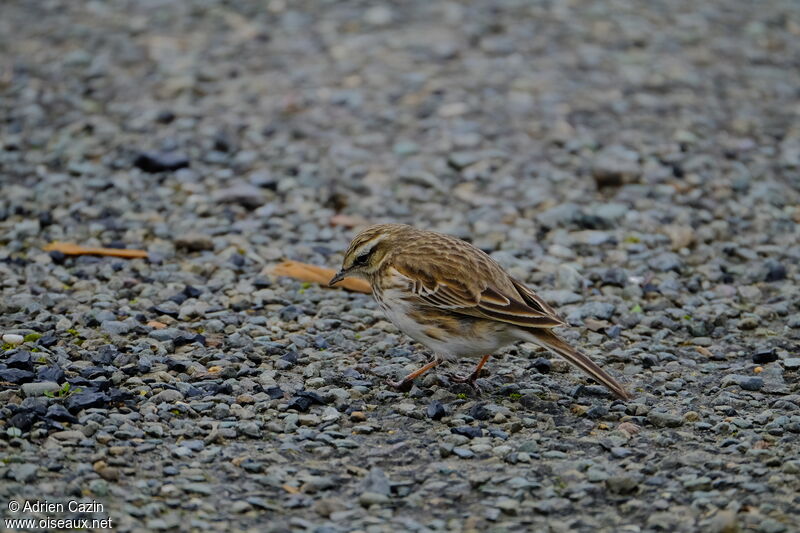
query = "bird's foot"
{"x": 470, "y": 380}
{"x": 402, "y": 385}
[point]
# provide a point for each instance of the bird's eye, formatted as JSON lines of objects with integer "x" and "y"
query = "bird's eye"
{"x": 361, "y": 260}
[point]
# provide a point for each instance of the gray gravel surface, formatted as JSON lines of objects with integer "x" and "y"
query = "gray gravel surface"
{"x": 638, "y": 163}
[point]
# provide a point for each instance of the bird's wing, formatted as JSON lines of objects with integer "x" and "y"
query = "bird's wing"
{"x": 461, "y": 291}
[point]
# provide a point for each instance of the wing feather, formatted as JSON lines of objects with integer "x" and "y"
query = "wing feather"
{"x": 516, "y": 305}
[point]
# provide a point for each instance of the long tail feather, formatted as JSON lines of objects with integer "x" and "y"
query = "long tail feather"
{"x": 554, "y": 343}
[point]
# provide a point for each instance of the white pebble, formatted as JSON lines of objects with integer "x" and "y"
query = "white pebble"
{"x": 11, "y": 338}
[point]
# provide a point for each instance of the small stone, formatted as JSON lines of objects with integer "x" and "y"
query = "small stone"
{"x": 542, "y": 365}
{"x": 691, "y": 416}
{"x": 463, "y": 453}
{"x": 40, "y": 388}
{"x": 367, "y": 499}
{"x": 749, "y": 383}
{"x": 20, "y": 359}
{"x": 661, "y": 419}
{"x": 792, "y": 363}
{"x": 160, "y": 161}
{"x": 764, "y": 356}
{"x": 509, "y": 506}
{"x": 24, "y": 473}
{"x": 467, "y": 431}
{"x": 622, "y": 484}
{"x": 71, "y": 435}
{"x": 116, "y": 327}
{"x": 13, "y": 339}
{"x": 243, "y": 194}
{"x": 85, "y": 400}
{"x": 167, "y": 396}
{"x": 240, "y": 506}
{"x": 725, "y": 521}
{"x": 775, "y": 270}
{"x": 109, "y": 473}
{"x": 616, "y": 165}
{"x": 358, "y": 416}
{"x": 436, "y": 410}
{"x": 681, "y": 236}
{"x": 405, "y": 408}
{"x": 667, "y": 261}
{"x": 194, "y": 242}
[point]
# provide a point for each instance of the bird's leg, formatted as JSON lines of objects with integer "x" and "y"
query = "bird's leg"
{"x": 408, "y": 381}
{"x": 472, "y": 377}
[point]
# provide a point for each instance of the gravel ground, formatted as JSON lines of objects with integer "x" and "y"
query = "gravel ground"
{"x": 639, "y": 165}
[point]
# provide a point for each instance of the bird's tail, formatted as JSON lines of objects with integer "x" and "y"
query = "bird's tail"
{"x": 547, "y": 339}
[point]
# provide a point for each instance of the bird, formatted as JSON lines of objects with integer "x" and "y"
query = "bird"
{"x": 456, "y": 300}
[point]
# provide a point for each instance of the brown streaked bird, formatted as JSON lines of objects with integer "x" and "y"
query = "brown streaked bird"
{"x": 455, "y": 299}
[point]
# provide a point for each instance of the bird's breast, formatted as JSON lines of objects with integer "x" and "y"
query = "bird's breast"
{"x": 448, "y": 334}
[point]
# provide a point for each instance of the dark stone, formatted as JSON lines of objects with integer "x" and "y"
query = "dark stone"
{"x": 300, "y": 403}
{"x": 47, "y": 340}
{"x": 542, "y": 365}
{"x": 290, "y": 357}
{"x": 58, "y": 257}
{"x": 436, "y": 410}
{"x": 119, "y": 396}
{"x": 15, "y": 375}
{"x": 313, "y": 396}
{"x": 192, "y": 392}
{"x": 289, "y": 313}
{"x": 19, "y": 359}
{"x": 479, "y": 411}
{"x": 160, "y": 161}
{"x": 192, "y": 292}
{"x": 499, "y": 434}
{"x": 614, "y": 276}
{"x": 614, "y": 331}
{"x": 750, "y": 383}
{"x": 23, "y": 419}
{"x": 237, "y": 260}
{"x": 144, "y": 365}
{"x": 649, "y": 360}
{"x": 161, "y": 310}
{"x": 765, "y": 355}
{"x": 467, "y": 431}
{"x": 52, "y": 373}
{"x": 596, "y": 412}
{"x": 618, "y": 452}
{"x": 59, "y": 413}
{"x": 222, "y": 142}
{"x": 92, "y": 372}
{"x": 183, "y": 340}
{"x": 320, "y": 342}
{"x": 165, "y": 116}
{"x": 352, "y": 373}
{"x": 775, "y": 270}
{"x": 261, "y": 283}
{"x": 177, "y": 365}
{"x": 105, "y": 355}
{"x": 85, "y": 400}
{"x": 274, "y": 392}
{"x": 179, "y": 298}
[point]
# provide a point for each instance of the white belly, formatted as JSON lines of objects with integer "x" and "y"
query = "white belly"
{"x": 463, "y": 345}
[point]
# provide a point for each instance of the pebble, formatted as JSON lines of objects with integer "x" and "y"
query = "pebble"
{"x": 13, "y": 339}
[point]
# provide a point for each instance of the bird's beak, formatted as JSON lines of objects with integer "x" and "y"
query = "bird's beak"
{"x": 337, "y": 278}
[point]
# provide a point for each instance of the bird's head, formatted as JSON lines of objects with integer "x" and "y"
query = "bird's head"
{"x": 368, "y": 250}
